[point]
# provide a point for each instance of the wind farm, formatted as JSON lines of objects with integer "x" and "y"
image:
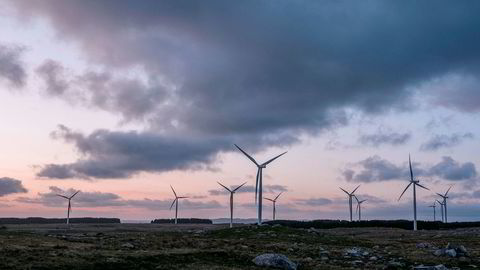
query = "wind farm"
{"x": 252, "y": 134}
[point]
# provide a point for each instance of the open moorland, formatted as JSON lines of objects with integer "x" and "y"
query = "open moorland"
{"x": 205, "y": 246}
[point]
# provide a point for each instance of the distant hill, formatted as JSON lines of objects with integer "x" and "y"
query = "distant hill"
{"x": 183, "y": 221}
{"x": 40, "y": 220}
{"x": 235, "y": 220}
{"x": 402, "y": 224}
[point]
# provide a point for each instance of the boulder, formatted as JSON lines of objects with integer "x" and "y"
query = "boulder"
{"x": 275, "y": 260}
{"x": 451, "y": 253}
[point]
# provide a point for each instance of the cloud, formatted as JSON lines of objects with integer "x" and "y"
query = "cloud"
{"x": 11, "y": 67}
{"x": 450, "y": 169}
{"x": 52, "y": 73}
{"x": 285, "y": 70}
{"x": 11, "y": 186}
{"x": 249, "y": 189}
{"x": 376, "y": 169}
{"x": 445, "y": 141}
{"x": 314, "y": 201}
{"x": 107, "y": 199}
{"x": 381, "y": 138}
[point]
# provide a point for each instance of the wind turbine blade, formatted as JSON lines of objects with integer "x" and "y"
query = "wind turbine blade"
{"x": 363, "y": 201}
{"x": 248, "y": 156}
{"x": 256, "y": 185}
{"x": 355, "y": 198}
{"x": 356, "y": 209}
{"x": 173, "y": 203}
{"x": 439, "y": 202}
{"x": 355, "y": 189}
{"x": 278, "y": 196}
{"x": 182, "y": 197}
{"x": 344, "y": 190}
{"x": 268, "y": 199}
{"x": 421, "y": 186}
{"x": 173, "y": 191}
{"x": 439, "y": 195}
{"x": 239, "y": 187}
{"x": 224, "y": 186}
{"x": 410, "y": 164}
{"x": 74, "y": 194}
{"x": 62, "y": 196}
{"x": 266, "y": 163}
{"x": 404, "y": 190}
{"x": 447, "y": 191}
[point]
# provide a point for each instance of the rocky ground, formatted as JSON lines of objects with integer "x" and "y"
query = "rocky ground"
{"x": 161, "y": 246}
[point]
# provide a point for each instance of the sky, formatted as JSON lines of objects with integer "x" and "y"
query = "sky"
{"x": 121, "y": 99}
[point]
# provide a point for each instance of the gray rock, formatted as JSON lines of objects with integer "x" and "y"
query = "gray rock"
{"x": 423, "y": 245}
{"x": 354, "y": 252}
{"x": 274, "y": 260}
{"x": 439, "y": 252}
{"x": 128, "y": 245}
{"x": 451, "y": 252}
{"x": 436, "y": 267}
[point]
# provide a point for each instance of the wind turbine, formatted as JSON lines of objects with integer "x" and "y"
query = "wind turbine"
{"x": 350, "y": 196}
{"x": 231, "y": 200}
{"x": 69, "y": 205}
{"x": 258, "y": 185}
{"x": 441, "y": 209}
{"x": 274, "y": 201}
{"x": 359, "y": 208}
{"x": 415, "y": 183}
{"x": 434, "y": 212}
{"x": 176, "y": 203}
{"x": 445, "y": 197}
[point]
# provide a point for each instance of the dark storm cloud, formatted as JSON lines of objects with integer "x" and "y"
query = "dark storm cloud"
{"x": 375, "y": 169}
{"x": 249, "y": 189}
{"x": 392, "y": 138}
{"x": 250, "y": 70}
{"x": 11, "y": 186}
{"x": 106, "y": 199}
{"x": 11, "y": 67}
{"x": 445, "y": 141}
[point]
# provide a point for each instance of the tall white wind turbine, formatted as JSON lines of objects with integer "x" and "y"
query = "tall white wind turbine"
{"x": 359, "y": 208}
{"x": 175, "y": 201}
{"x": 415, "y": 184}
{"x": 274, "y": 201}
{"x": 69, "y": 205}
{"x": 441, "y": 209}
{"x": 232, "y": 191}
{"x": 434, "y": 205}
{"x": 350, "y": 201}
{"x": 259, "y": 185}
{"x": 445, "y": 197}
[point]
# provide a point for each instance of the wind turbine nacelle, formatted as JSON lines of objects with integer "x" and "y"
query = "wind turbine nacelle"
{"x": 262, "y": 166}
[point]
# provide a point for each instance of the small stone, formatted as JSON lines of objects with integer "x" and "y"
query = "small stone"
{"x": 423, "y": 245}
{"x": 275, "y": 260}
{"x": 463, "y": 259}
{"x": 439, "y": 252}
{"x": 373, "y": 258}
{"x": 357, "y": 262}
{"x": 376, "y": 247}
{"x": 451, "y": 252}
{"x": 324, "y": 258}
{"x": 128, "y": 245}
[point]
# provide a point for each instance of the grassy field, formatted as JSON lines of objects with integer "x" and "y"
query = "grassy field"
{"x": 190, "y": 246}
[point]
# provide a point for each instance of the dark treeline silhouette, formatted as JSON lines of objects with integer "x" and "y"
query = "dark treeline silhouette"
{"x": 401, "y": 224}
{"x": 40, "y": 220}
{"x": 183, "y": 221}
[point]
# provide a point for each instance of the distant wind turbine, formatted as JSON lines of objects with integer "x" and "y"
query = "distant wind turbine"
{"x": 258, "y": 185}
{"x": 415, "y": 183}
{"x": 274, "y": 201}
{"x": 69, "y": 205}
{"x": 359, "y": 208}
{"x": 445, "y": 197}
{"x": 350, "y": 201}
{"x": 175, "y": 201}
{"x": 434, "y": 212}
{"x": 441, "y": 209}
{"x": 231, "y": 200}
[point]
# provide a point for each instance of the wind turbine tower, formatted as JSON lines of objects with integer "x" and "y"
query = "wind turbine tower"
{"x": 445, "y": 197}
{"x": 434, "y": 212}
{"x": 69, "y": 205}
{"x": 415, "y": 184}
{"x": 232, "y": 191}
{"x": 350, "y": 201}
{"x": 175, "y": 201}
{"x": 274, "y": 201}
{"x": 259, "y": 184}
{"x": 359, "y": 208}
